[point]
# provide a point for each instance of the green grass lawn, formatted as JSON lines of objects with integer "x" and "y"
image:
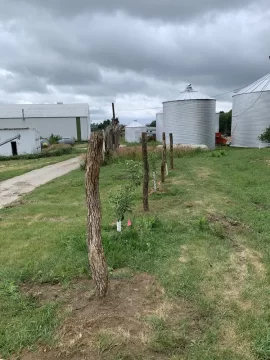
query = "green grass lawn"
{"x": 206, "y": 241}
{"x": 10, "y": 169}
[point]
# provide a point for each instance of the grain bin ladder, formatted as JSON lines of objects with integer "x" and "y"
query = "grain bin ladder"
{"x": 11, "y": 139}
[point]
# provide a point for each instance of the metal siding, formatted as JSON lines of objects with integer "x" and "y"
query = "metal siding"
{"x": 29, "y": 142}
{"x": 251, "y": 116}
{"x": 262, "y": 84}
{"x": 217, "y": 123}
{"x": 192, "y": 122}
{"x": 159, "y": 126}
{"x": 43, "y": 111}
{"x": 65, "y": 127}
{"x": 78, "y": 126}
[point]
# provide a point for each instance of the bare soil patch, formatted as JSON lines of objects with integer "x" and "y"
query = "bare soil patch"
{"x": 226, "y": 225}
{"x": 204, "y": 173}
{"x": 116, "y": 327}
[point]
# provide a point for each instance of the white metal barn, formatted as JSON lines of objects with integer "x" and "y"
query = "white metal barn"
{"x": 251, "y": 114}
{"x": 191, "y": 119}
{"x": 159, "y": 126}
{"x": 19, "y": 141}
{"x": 133, "y": 132}
{"x": 66, "y": 120}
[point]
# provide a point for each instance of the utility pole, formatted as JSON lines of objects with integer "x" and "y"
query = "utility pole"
{"x": 113, "y": 111}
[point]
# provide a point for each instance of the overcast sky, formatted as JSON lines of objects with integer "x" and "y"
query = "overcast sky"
{"x": 136, "y": 53}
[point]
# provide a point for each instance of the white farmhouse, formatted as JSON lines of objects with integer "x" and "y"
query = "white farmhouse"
{"x": 66, "y": 120}
{"x": 19, "y": 141}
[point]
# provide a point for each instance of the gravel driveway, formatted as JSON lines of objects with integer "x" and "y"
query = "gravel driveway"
{"x": 12, "y": 189}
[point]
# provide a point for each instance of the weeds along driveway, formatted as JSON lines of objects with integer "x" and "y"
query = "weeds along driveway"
{"x": 12, "y": 189}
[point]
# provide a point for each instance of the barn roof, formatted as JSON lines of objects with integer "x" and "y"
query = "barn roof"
{"x": 14, "y": 111}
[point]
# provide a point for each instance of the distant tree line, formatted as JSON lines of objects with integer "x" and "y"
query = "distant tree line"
{"x": 100, "y": 126}
{"x": 225, "y": 122}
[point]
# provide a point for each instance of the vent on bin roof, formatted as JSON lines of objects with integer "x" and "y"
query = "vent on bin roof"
{"x": 190, "y": 94}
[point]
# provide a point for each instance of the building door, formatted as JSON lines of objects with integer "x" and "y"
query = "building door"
{"x": 14, "y": 148}
{"x": 79, "y": 131}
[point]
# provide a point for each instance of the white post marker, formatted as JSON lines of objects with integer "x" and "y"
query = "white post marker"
{"x": 119, "y": 226}
{"x": 103, "y": 147}
{"x": 167, "y": 171}
{"x": 155, "y": 181}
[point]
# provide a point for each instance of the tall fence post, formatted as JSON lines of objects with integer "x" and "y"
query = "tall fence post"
{"x": 146, "y": 172}
{"x": 96, "y": 255}
{"x": 164, "y": 158}
{"x": 165, "y": 152}
{"x": 171, "y": 151}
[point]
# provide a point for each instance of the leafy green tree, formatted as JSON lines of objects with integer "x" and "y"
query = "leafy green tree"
{"x": 153, "y": 161}
{"x": 121, "y": 201}
{"x": 225, "y": 122}
{"x": 100, "y": 126}
{"x": 152, "y": 124}
{"x": 265, "y": 136}
{"x": 53, "y": 139}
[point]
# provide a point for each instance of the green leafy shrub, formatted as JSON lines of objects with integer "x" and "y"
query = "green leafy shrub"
{"x": 153, "y": 160}
{"x": 203, "y": 224}
{"x": 121, "y": 201}
{"x": 134, "y": 173}
{"x": 53, "y": 139}
{"x": 219, "y": 153}
{"x": 265, "y": 136}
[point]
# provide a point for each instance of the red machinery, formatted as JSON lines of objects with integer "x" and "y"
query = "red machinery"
{"x": 220, "y": 139}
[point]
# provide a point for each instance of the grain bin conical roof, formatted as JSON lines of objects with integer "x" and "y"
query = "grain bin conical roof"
{"x": 263, "y": 84}
{"x": 190, "y": 94}
{"x": 135, "y": 124}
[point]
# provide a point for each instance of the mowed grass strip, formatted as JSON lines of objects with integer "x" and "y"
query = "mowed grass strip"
{"x": 206, "y": 241}
{"x": 10, "y": 169}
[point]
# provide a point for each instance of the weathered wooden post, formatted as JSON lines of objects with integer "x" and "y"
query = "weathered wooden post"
{"x": 96, "y": 255}
{"x": 164, "y": 166}
{"x": 146, "y": 172}
{"x": 171, "y": 151}
{"x": 165, "y": 153}
{"x": 103, "y": 146}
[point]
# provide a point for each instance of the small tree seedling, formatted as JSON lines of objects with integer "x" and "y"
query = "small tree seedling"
{"x": 153, "y": 161}
{"x": 121, "y": 201}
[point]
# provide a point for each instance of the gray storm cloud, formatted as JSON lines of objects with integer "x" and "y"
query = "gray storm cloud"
{"x": 135, "y": 53}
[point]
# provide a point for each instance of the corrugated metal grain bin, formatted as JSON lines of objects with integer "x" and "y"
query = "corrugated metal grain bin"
{"x": 217, "y": 123}
{"x": 191, "y": 119}
{"x": 159, "y": 126}
{"x": 251, "y": 114}
{"x": 133, "y": 132}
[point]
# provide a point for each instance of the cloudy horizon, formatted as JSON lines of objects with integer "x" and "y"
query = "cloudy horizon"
{"x": 136, "y": 54}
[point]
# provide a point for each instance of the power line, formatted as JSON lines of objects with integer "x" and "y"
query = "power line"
{"x": 262, "y": 90}
{"x": 214, "y": 96}
{"x": 228, "y": 92}
{"x": 131, "y": 109}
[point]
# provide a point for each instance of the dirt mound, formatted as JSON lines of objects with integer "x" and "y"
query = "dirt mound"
{"x": 116, "y": 327}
